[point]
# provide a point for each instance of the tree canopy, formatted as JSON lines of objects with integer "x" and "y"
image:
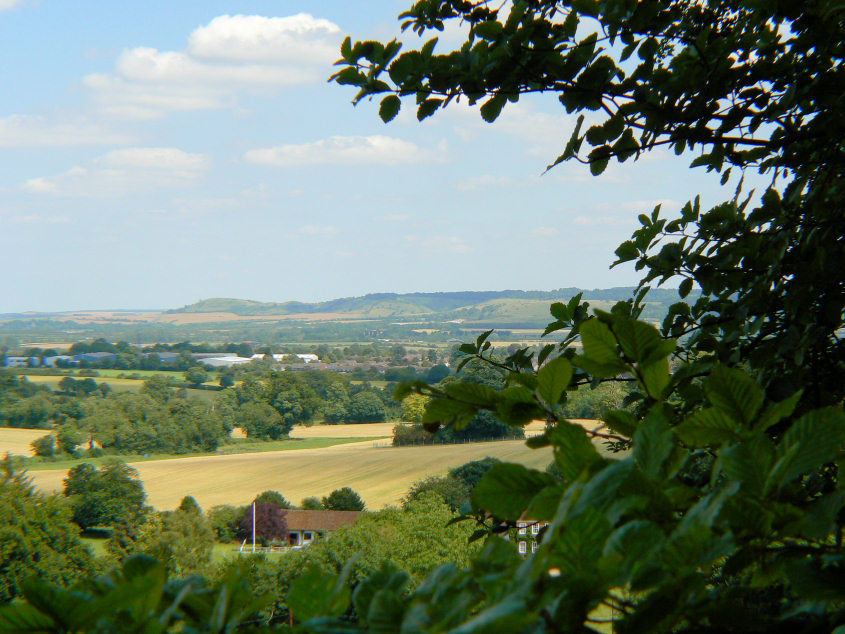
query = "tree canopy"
{"x": 37, "y": 537}
{"x": 105, "y": 496}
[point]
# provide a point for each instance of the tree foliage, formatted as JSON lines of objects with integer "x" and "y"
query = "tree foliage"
{"x": 105, "y": 496}
{"x": 37, "y": 537}
{"x": 344, "y": 499}
{"x": 270, "y": 524}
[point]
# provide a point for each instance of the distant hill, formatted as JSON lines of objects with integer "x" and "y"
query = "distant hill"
{"x": 508, "y": 305}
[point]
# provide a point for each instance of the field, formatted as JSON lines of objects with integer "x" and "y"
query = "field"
{"x": 118, "y": 385}
{"x": 380, "y": 475}
{"x": 17, "y": 441}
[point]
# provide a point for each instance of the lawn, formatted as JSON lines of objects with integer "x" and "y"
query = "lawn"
{"x": 380, "y": 475}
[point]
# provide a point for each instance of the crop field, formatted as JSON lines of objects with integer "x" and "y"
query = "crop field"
{"x": 117, "y": 385}
{"x": 380, "y": 475}
{"x": 17, "y": 441}
{"x": 382, "y": 430}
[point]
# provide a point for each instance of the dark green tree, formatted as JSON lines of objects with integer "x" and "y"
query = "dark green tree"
{"x": 37, "y": 537}
{"x": 196, "y": 375}
{"x": 365, "y": 407}
{"x": 189, "y": 504}
{"x": 272, "y": 497}
{"x": 312, "y": 504}
{"x": 344, "y": 499}
{"x": 263, "y": 422}
{"x": 453, "y": 491}
{"x": 45, "y": 446}
{"x": 105, "y": 496}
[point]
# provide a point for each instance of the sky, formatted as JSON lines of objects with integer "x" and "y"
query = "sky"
{"x": 157, "y": 153}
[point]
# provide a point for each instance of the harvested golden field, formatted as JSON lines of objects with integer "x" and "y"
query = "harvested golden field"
{"x": 376, "y": 430}
{"x": 380, "y": 475}
{"x": 373, "y": 430}
{"x": 17, "y": 441}
{"x": 114, "y": 383}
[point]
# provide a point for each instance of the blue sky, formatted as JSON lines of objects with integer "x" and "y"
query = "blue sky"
{"x": 156, "y": 153}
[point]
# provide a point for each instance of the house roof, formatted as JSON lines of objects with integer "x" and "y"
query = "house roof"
{"x": 319, "y": 520}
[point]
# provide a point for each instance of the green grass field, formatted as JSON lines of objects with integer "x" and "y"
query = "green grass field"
{"x": 116, "y": 384}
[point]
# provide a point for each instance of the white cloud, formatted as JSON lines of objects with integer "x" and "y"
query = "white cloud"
{"x": 39, "y": 186}
{"x": 315, "y": 230}
{"x": 228, "y": 55}
{"x": 125, "y": 171}
{"x": 37, "y": 131}
{"x": 5, "y": 5}
{"x": 155, "y": 158}
{"x": 258, "y": 38}
{"x": 375, "y": 149}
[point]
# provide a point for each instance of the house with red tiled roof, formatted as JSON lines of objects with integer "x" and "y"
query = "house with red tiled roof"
{"x": 305, "y": 527}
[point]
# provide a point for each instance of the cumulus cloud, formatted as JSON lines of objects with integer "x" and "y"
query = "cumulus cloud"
{"x": 256, "y": 38}
{"x": 229, "y": 54}
{"x": 375, "y": 149}
{"x": 124, "y": 171}
{"x": 545, "y": 232}
{"x": 37, "y": 131}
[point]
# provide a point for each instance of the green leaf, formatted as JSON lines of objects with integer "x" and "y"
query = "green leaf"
{"x": 599, "y": 343}
{"x": 545, "y": 504}
{"x": 389, "y": 108}
{"x": 777, "y": 412}
{"x": 488, "y": 30}
{"x": 735, "y": 393}
{"x": 600, "y": 370}
{"x": 814, "y": 440}
{"x": 427, "y": 108}
{"x": 621, "y": 422}
{"x": 492, "y": 108}
{"x": 553, "y": 379}
{"x": 516, "y": 406}
{"x": 653, "y": 444}
{"x": 685, "y": 288}
{"x": 749, "y": 463}
{"x": 641, "y": 342}
{"x": 507, "y": 490}
{"x": 314, "y": 593}
{"x": 656, "y": 377}
{"x": 709, "y": 426}
{"x": 574, "y": 452}
{"x": 21, "y": 618}
{"x": 598, "y": 164}
{"x": 626, "y": 252}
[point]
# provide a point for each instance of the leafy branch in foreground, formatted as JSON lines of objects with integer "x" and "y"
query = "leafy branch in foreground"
{"x": 708, "y": 523}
